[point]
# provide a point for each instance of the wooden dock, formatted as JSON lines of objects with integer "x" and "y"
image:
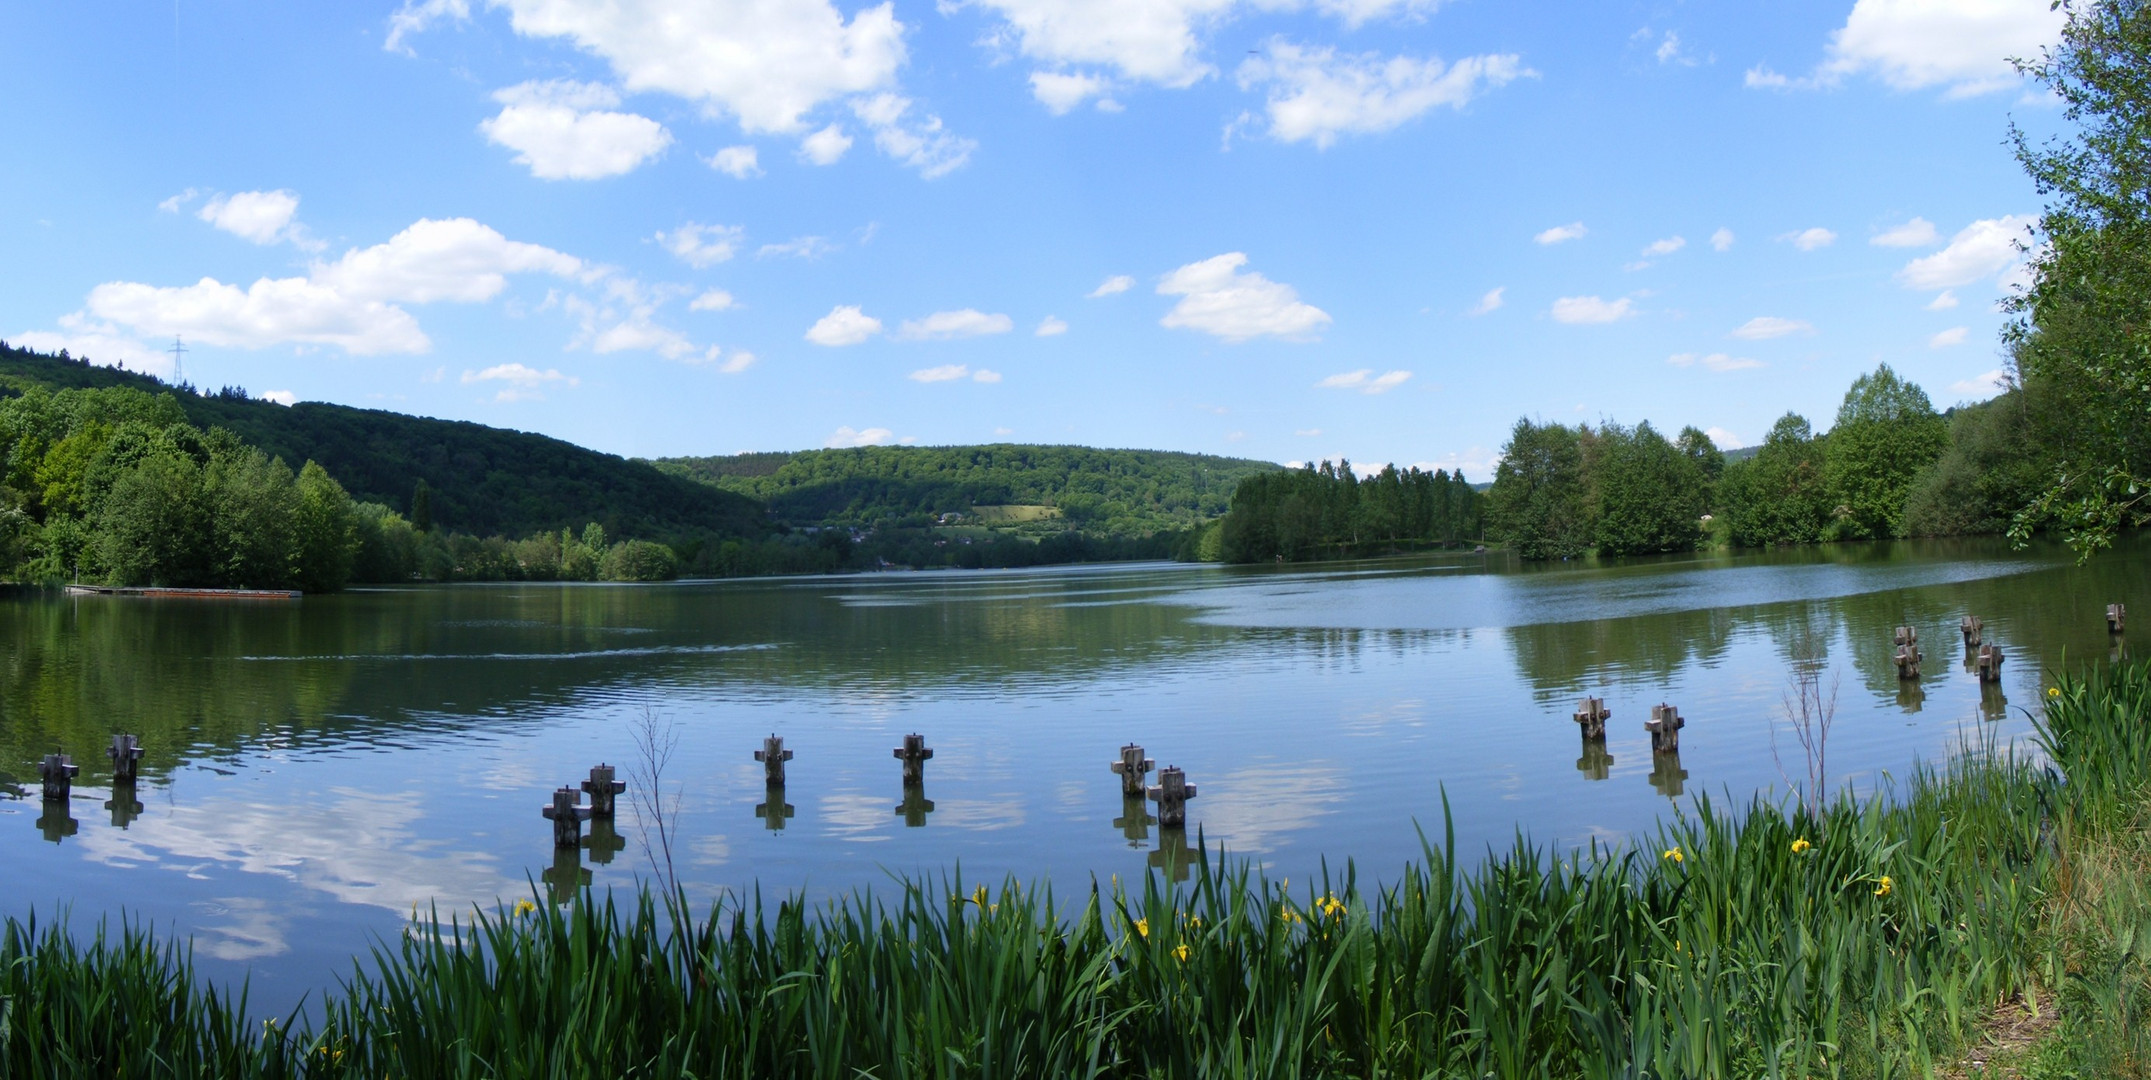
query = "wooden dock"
{"x": 156, "y": 592}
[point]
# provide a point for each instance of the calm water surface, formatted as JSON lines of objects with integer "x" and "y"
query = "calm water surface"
{"x": 315, "y": 770}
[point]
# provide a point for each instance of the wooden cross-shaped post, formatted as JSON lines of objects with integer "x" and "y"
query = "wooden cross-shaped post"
{"x": 1664, "y": 725}
{"x": 567, "y": 814}
{"x": 1970, "y": 627}
{"x": 1172, "y": 793}
{"x": 914, "y": 754}
{"x": 773, "y": 755}
{"x": 1591, "y": 718}
{"x": 58, "y": 771}
{"x": 601, "y": 787}
{"x": 1132, "y": 767}
{"x": 126, "y": 757}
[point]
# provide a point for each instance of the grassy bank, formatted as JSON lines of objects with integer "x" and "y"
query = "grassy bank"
{"x": 1892, "y": 936}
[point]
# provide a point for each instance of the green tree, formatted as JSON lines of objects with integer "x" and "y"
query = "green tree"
{"x": 1537, "y": 504}
{"x": 1779, "y": 496}
{"x": 1886, "y": 432}
{"x": 326, "y": 531}
{"x": 2083, "y": 327}
{"x": 254, "y": 506}
{"x": 640, "y": 560}
{"x": 1649, "y": 493}
{"x": 153, "y": 527}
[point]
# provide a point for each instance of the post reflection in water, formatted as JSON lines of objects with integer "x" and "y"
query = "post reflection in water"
{"x": 1172, "y": 854}
{"x": 1667, "y": 775}
{"x": 124, "y": 806}
{"x": 1911, "y": 696}
{"x": 1595, "y": 761}
{"x": 1993, "y": 704}
{"x": 1135, "y": 821}
{"x": 566, "y": 877}
{"x": 915, "y": 806}
{"x": 603, "y": 841}
{"x": 56, "y": 823}
{"x": 773, "y": 810}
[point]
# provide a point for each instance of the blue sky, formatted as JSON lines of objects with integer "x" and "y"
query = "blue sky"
{"x": 1284, "y": 229}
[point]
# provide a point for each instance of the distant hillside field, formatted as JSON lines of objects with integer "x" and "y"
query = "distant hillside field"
{"x": 483, "y": 480}
{"x": 1101, "y": 492}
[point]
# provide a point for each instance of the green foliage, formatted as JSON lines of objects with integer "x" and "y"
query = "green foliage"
{"x": 1650, "y": 495}
{"x": 2083, "y": 327}
{"x": 1539, "y": 504}
{"x": 1329, "y": 512}
{"x": 1998, "y": 461}
{"x": 1886, "y": 432}
{"x": 1116, "y": 493}
{"x": 640, "y": 560}
{"x": 1780, "y": 495}
{"x": 1859, "y": 937}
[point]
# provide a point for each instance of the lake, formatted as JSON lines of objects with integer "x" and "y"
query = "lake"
{"x": 314, "y": 770}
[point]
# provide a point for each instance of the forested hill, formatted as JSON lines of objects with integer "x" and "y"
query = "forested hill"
{"x": 1103, "y": 492}
{"x": 482, "y": 480}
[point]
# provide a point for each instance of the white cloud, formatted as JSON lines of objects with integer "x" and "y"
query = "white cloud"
{"x": 635, "y": 332}
{"x": 1316, "y": 94}
{"x": 825, "y": 147}
{"x": 1050, "y": 327}
{"x": 737, "y": 162}
{"x": 1953, "y": 336}
{"x": 1153, "y": 41}
{"x": 1765, "y": 327}
{"x": 1668, "y": 51}
{"x": 282, "y": 397}
{"x": 983, "y": 375}
{"x": 1918, "y": 232}
{"x": 739, "y": 361}
{"x": 844, "y": 325}
{"x": 1810, "y": 239}
{"x": 261, "y": 217}
{"x": 1982, "y": 386}
{"x": 944, "y": 373}
{"x": 457, "y": 259}
{"x": 524, "y": 383}
{"x": 1061, "y": 92}
{"x": 1714, "y": 361}
{"x": 1723, "y": 439}
{"x": 274, "y": 311}
{"x": 1722, "y": 240}
{"x": 923, "y": 144}
{"x": 1983, "y": 249}
{"x": 944, "y": 325}
{"x": 564, "y": 130}
{"x": 767, "y": 62}
{"x": 172, "y": 205}
{"x": 1667, "y": 246}
{"x": 702, "y": 246}
{"x": 1560, "y": 233}
{"x": 415, "y": 15}
{"x": 1119, "y": 283}
{"x": 1965, "y": 45}
{"x": 1365, "y": 381}
{"x": 520, "y": 375}
{"x": 1946, "y": 300}
{"x": 1217, "y": 299}
{"x": 1591, "y": 309}
{"x": 805, "y": 247}
{"x": 873, "y": 436}
{"x": 1491, "y": 302}
{"x": 713, "y": 300}
{"x": 101, "y": 344}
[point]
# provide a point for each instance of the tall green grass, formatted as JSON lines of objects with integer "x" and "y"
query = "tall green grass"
{"x": 1871, "y": 939}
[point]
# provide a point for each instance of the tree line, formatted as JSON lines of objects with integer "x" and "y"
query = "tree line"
{"x": 1327, "y": 511}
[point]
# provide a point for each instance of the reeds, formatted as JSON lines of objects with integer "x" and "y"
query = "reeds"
{"x": 1869, "y": 937}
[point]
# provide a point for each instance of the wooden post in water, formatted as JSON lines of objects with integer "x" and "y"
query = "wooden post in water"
{"x": 1907, "y": 659}
{"x": 1132, "y": 767}
{"x": 1591, "y": 718}
{"x": 914, "y": 754}
{"x": 601, "y": 788}
{"x": 1172, "y": 793}
{"x": 567, "y": 815}
{"x": 1971, "y": 628}
{"x": 2115, "y": 614}
{"x": 58, "y": 771}
{"x": 1990, "y": 664}
{"x": 126, "y": 757}
{"x": 773, "y": 755}
{"x": 1664, "y": 725}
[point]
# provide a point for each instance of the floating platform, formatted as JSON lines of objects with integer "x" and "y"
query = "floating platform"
{"x": 156, "y": 592}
